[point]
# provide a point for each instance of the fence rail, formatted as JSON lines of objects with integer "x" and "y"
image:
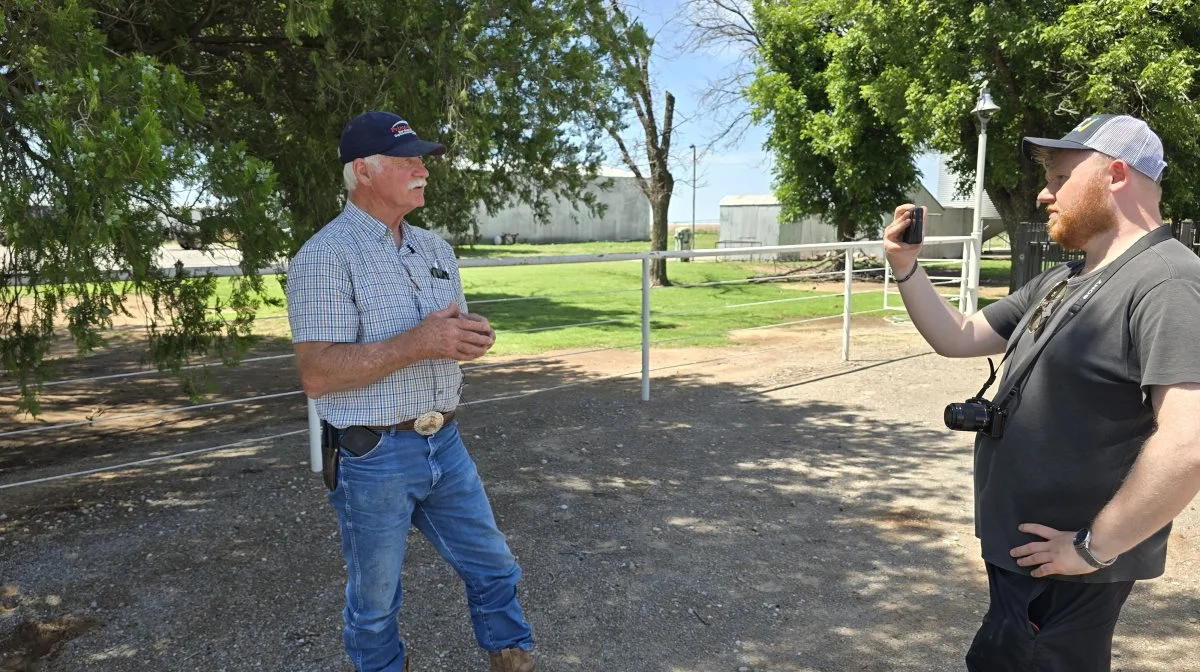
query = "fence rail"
{"x": 848, "y": 250}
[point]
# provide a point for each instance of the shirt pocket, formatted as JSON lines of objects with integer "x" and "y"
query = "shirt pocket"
{"x": 442, "y": 290}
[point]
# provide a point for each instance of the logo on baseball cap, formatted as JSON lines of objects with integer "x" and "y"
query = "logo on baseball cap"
{"x": 1117, "y": 135}
{"x": 383, "y": 133}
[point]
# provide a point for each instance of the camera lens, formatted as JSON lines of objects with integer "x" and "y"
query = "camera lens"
{"x": 954, "y": 416}
{"x": 969, "y": 417}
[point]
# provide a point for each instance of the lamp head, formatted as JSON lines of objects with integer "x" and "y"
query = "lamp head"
{"x": 985, "y": 107}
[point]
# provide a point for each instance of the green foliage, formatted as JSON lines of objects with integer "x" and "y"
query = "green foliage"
{"x": 123, "y": 121}
{"x": 856, "y": 88}
{"x": 838, "y": 154}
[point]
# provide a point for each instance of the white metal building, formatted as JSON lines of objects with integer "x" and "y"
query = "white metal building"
{"x": 627, "y": 217}
{"x": 753, "y": 220}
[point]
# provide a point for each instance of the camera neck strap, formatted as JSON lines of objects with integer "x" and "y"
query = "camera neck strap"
{"x": 1012, "y": 384}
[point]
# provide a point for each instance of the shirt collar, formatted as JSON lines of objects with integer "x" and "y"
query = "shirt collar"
{"x": 377, "y": 230}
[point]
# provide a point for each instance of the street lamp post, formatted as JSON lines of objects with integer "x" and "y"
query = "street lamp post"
{"x": 984, "y": 109}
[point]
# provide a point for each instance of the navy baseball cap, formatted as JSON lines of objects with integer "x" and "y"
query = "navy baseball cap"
{"x": 384, "y": 133}
{"x": 1117, "y": 135}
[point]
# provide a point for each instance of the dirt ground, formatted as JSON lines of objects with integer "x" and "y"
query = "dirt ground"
{"x": 771, "y": 508}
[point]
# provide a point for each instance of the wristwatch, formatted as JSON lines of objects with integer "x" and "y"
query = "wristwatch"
{"x": 1083, "y": 544}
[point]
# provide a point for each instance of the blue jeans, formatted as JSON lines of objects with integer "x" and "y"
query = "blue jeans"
{"x": 430, "y": 482}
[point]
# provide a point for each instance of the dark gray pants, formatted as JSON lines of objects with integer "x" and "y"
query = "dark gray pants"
{"x": 1044, "y": 625}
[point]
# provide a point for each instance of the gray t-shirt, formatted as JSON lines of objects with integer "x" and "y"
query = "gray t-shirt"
{"x": 1079, "y": 420}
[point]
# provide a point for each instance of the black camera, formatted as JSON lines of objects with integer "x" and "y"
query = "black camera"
{"x": 977, "y": 415}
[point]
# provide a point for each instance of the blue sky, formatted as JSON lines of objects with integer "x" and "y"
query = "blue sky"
{"x": 744, "y": 168}
{"x": 741, "y": 169}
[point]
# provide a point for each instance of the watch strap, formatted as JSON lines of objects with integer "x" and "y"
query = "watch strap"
{"x": 1084, "y": 548}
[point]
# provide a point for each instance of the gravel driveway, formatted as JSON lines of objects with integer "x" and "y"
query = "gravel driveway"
{"x": 771, "y": 508}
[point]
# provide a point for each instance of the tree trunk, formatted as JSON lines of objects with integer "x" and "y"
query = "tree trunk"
{"x": 658, "y": 240}
{"x": 845, "y": 232}
{"x": 1018, "y": 204}
{"x": 845, "y": 228}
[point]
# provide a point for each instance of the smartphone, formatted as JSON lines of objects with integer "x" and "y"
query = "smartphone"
{"x": 915, "y": 233}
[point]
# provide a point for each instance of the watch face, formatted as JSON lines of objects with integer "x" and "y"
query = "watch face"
{"x": 1081, "y": 537}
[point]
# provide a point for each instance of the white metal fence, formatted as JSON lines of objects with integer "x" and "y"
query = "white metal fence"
{"x": 848, "y": 250}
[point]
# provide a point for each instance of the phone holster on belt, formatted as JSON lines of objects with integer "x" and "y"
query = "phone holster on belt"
{"x": 329, "y": 455}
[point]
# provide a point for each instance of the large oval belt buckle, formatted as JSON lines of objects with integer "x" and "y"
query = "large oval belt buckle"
{"x": 428, "y": 424}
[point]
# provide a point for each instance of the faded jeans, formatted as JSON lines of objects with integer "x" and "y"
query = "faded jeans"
{"x": 430, "y": 482}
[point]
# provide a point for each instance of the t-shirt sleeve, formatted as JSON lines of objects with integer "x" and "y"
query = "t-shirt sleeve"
{"x": 320, "y": 297}
{"x": 1165, "y": 329}
{"x": 1005, "y": 314}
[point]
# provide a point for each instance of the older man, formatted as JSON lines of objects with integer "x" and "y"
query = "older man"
{"x": 380, "y": 324}
{"x": 1092, "y": 446}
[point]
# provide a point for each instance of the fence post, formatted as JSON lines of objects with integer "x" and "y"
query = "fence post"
{"x": 887, "y": 280}
{"x": 314, "y": 437}
{"x": 646, "y": 328}
{"x": 976, "y": 247}
{"x": 847, "y": 302}
{"x": 963, "y": 276}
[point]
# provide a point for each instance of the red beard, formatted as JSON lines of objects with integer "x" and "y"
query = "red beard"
{"x": 1074, "y": 227}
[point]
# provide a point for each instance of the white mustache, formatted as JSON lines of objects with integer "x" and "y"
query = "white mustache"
{"x": 415, "y": 184}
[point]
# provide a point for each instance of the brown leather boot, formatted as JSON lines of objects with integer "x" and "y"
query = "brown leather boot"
{"x": 512, "y": 660}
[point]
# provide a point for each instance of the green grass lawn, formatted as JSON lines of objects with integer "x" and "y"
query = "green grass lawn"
{"x": 528, "y": 305}
{"x": 992, "y": 272}
{"x": 607, "y": 297}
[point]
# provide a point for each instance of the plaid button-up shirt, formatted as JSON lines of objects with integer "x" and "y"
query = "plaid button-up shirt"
{"x": 350, "y": 283}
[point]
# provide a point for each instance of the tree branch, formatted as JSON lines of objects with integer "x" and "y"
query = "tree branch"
{"x": 668, "y": 118}
{"x": 203, "y": 22}
{"x": 721, "y": 22}
{"x": 628, "y": 159}
{"x": 717, "y": 24}
{"x": 249, "y": 44}
{"x": 645, "y": 91}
